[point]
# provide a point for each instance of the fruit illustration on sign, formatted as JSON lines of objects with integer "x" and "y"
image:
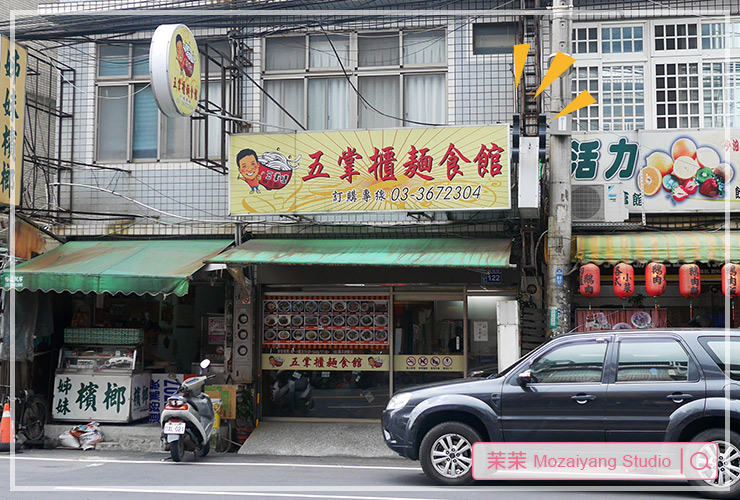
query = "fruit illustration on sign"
{"x": 711, "y": 188}
{"x": 662, "y": 161}
{"x": 703, "y": 174}
{"x": 685, "y": 168}
{"x": 688, "y": 170}
{"x": 724, "y": 172}
{"x": 670, "y": 182}
{"x": 679, "y": 194}
{"x": 684, "y": 147}
{"x": 650, "y": 180}
{"x": 691, "y": 186}
{"x": 707, "y": 158}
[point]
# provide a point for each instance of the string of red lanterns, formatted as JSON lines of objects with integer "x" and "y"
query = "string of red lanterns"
{"x": 656, "y": 282}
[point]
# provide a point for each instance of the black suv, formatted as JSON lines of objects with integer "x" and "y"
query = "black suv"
{"x": 610, "y": 386}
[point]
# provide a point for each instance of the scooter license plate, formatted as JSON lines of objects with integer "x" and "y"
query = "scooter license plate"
{"x": 174, "y": 428}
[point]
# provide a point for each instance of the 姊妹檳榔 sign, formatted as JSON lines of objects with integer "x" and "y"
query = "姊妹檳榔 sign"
{"x": 13, "y": 97}
{"x": 450, "y": 168}
{"x": 104, "y": 398}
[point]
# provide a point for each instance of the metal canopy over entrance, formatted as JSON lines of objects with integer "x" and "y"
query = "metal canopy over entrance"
{"x": 139, "y": 267}
{"x": 423, "y": 252}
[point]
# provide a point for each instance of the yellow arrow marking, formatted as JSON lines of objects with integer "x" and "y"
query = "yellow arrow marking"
{"x": 584, "y": 99}
{"x": 559, "y": 64}
{"x": 520, "y": 57}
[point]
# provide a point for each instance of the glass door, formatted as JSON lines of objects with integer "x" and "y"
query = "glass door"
{"x": 428, "y": 340}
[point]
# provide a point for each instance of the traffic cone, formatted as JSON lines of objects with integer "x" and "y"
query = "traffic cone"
{"x": 6, "y": 430}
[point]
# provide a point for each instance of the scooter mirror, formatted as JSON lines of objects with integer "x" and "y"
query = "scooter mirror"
{"x": 205, "y": 364}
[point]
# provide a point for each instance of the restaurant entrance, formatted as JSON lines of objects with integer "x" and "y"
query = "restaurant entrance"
{"x": 428, "y": 337}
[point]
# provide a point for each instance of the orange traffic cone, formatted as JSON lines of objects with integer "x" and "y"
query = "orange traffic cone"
{"x": 6, "y": 430}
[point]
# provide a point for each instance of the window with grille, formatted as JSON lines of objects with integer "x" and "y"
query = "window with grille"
{"x": 129, "y": 125}
{"x": 586, "y": 78}
{"x": 585, "y": 41}
{"x": 623, "y": 97}
{"x": 718, "y": 36}
{"x": 721, "y": 94}
{"x": 621, "y": 40}
{"x": 399, "y": 76}
{"x": 676, "y": 37}
{"x": 677, "y": 95}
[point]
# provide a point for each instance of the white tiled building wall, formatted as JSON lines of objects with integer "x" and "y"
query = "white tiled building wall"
{"x": 180, "y": 194}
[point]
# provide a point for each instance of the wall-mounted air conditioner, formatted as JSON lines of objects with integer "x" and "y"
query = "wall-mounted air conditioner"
{"x": 598, "y": 203}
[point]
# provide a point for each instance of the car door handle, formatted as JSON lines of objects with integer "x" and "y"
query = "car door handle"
{"x": 582, "y": 399}
{"x": 678, "y": 397}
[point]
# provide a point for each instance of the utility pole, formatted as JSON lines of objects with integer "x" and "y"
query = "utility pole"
{"x": 559, "y": 229}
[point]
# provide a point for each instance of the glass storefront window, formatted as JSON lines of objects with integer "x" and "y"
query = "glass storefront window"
{"x": 429, "y": 342}
{"x": 328, "y": 394}
{"x": 325, "y": 356}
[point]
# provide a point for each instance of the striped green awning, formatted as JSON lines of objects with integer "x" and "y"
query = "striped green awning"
{"x": 139, "y": 267}
{"x": 422, "y": 252}
{"x": 676, "y": 246}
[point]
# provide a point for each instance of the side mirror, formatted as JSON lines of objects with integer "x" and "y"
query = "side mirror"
{"x": 525, "y": 377}
{"x": 205, "y": 364}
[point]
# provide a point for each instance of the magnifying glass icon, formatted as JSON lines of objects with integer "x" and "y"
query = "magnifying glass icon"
{"x": 699, "y": 457}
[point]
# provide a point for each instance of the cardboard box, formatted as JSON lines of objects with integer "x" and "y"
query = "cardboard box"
{"x": 227, "y": 395}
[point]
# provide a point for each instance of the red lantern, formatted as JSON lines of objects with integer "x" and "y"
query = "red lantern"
{"x": 589, "y": 278}
{"x": 655, "y": 279}
{"x": 624, "y": 280}
{"x": 730, "y": 275}
{"x": 689, "y": 281}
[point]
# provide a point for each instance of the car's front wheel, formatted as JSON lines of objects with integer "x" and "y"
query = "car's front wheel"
{"x": 446, "y": 453}
{"x": 727, "y": 482}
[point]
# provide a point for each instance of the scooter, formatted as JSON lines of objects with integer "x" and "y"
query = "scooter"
{"x": 188, "y": 418}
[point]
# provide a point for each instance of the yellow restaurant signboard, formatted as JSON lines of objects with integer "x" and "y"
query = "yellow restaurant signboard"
{"x": 445, "y": 168}
{"x": 13, "y": 98}
{"x": 326, "y": 362}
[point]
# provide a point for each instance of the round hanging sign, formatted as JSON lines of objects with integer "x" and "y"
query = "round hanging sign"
{"x": 174, "y": 68}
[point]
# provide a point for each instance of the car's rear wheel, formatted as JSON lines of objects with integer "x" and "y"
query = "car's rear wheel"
{"x": 727, "y": 482}
{"x": 446, "y": 453}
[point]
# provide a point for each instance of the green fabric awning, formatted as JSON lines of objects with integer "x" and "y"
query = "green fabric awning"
{"x": 676, "y": 246}
{"x": 139, "y": 267}
{"x": 439, "y": 252}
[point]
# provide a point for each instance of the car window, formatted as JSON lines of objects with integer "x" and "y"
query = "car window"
{"x": 715, "y": 347}
{"x": 659, "y": 360}
{"x": 581, "y": 362}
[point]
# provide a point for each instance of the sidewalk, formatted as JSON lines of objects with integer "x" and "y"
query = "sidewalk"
{"x": 301, "y": 439}
{"x": 318, "y": 439}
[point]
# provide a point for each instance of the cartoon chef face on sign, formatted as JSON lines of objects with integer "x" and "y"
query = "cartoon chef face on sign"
{"x": 272, "y": 170}
{"x": 249, "y": 169}
{"x": 184, "y": 56}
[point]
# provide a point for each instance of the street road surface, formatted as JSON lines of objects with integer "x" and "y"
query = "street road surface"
{"x": 78, "y": 475}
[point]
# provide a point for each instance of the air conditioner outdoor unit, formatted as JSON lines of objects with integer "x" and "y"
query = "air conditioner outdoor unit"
{"x": 598, "y": 203}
